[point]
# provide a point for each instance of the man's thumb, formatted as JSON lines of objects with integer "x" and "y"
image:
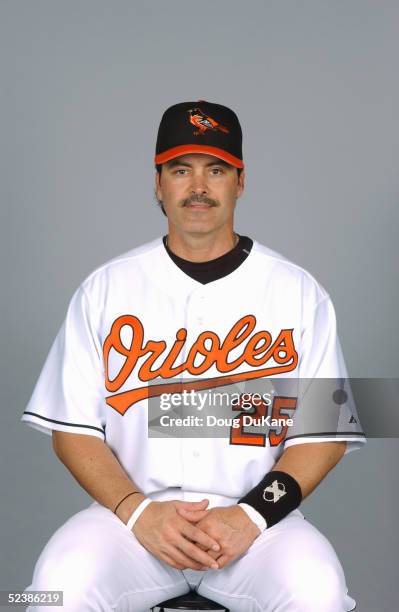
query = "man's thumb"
{"x": 192, "y": 515}
{"x": 193, "y": 506}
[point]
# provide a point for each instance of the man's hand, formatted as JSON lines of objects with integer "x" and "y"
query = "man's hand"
{"x": 174, "y": 539}
{"x": 230, "y": 526}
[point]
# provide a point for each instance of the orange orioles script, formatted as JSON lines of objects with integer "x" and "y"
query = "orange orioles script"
{"x": 256, "y": 350}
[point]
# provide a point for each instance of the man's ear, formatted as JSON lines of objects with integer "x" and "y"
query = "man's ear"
{"x": 158, "y": 189}
{"x": 241, "y": 183}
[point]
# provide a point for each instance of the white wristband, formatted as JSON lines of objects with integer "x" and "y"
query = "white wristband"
{"x": 140, "y": 508}
{"x": 254, "y": 515}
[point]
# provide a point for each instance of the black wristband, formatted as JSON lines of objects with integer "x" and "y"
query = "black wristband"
{"x": 274, "y": 497}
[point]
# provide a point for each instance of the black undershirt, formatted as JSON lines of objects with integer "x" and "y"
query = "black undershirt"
{"x": 208, "y": 271}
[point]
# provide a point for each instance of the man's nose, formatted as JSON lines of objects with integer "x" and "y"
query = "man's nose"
{"x": 199, "y": 183}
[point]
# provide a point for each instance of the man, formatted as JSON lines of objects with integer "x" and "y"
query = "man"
{"x": 203, "y": 308}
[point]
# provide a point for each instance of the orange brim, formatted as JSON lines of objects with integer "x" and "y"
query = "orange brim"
{"x": 161, "y": 158}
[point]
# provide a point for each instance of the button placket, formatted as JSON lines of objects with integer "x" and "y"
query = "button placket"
{"x": 195, "y": 324}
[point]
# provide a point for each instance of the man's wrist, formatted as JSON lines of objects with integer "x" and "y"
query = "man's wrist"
{"x": 138, "y": 512}
{"x": 126, "y": 509}
{"x": 254, "y": 516}
{"x": 277, "y": 494}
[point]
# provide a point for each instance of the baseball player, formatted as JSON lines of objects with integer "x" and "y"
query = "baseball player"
{"x": 201, "y": 309}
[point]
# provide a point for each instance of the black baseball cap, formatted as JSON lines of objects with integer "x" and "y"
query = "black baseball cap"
{"x": 199, "y": 127}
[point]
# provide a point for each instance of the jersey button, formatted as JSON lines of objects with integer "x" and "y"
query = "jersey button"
{"x": 196, "y": 454}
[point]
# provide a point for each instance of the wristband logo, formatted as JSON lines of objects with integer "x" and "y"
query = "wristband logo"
{"x": 257, "y": 349}
{"x": 274, "y": 492}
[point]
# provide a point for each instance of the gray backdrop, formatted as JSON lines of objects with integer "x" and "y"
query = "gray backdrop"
{"x": 83, "y": 86}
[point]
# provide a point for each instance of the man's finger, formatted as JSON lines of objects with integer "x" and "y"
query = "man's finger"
{"x": 198, "y": 536}
{"x": 192, "y": 553}
{"x": 215, "y": 554}
{"x": 170, "y": 561}
{"x": 180, "y": 561}
{"x": 189, "y": 555}
{"x": 223, "y": 560}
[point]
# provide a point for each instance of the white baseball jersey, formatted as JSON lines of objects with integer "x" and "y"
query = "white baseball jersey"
{"x": 138, "y": 323}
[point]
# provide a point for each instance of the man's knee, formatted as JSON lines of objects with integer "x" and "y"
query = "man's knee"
{"x": 316, "y": 586}
{"x": 96, "y": 576}
{"x": 74, "y": 574}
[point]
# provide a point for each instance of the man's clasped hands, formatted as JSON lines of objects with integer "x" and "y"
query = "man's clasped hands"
{"x": 188, "y": 535}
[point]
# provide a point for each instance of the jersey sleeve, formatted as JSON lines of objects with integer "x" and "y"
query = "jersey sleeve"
{"x": 69, "y": 394}
{"x": 326, "y": 408}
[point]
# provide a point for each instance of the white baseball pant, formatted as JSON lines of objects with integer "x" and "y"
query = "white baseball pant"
{"x": 100, "y": 566}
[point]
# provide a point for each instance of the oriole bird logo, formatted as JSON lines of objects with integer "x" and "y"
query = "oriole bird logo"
{"x": 203, "y": 122}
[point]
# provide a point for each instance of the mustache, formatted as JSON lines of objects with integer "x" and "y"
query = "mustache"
{"x": 201, "y": 199}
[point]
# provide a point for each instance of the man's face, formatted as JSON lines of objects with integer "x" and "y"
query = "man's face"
{"x": 199, "y": 192}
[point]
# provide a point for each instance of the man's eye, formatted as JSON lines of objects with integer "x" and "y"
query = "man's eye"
{"x": 217, "y": 170}
{"x": 181, "y": 171}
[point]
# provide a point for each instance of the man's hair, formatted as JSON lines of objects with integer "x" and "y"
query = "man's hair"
{"x": 158, "y": 168}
